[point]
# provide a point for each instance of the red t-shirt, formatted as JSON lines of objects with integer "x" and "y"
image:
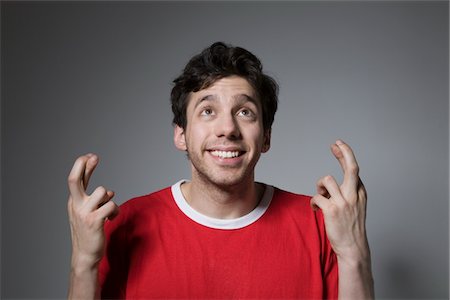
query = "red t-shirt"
{"x": 159, "y": 247}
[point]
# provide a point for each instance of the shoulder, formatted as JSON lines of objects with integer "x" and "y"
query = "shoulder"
{"x": 296, "y": 205}
{"x": 290, "y": 195}
{"x": 142, "y": 208}
{"x": 290, "y": 198}
{"x": 145, "y": 201}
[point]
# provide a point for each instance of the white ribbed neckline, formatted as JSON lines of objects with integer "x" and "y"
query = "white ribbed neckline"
{"x": 215, "y": 223}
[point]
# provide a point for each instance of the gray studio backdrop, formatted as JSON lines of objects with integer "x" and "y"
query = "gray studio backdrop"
{"x": 96, "y": 76}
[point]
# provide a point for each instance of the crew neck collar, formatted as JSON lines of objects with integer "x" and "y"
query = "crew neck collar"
{"x": 216, "y": 223}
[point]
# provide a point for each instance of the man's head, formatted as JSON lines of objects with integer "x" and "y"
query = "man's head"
{"x": 223, "y": 108}
{"x": 220, "y": 61}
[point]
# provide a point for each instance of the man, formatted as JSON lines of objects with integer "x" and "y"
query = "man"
{"x": 221, "y": 234}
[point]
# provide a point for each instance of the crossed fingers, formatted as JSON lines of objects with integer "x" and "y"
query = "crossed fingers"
{"x": 343, "y": 206}
{"x": 78, "y": 180}
{"x": 351, "y": 189}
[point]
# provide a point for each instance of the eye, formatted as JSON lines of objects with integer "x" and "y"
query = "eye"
{"x": 246, "y": 113}
{"x": 206, "y": 112}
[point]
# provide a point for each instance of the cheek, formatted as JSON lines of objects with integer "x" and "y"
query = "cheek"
{"x": 196, "y": 135}
{"x": 256, "y": 136}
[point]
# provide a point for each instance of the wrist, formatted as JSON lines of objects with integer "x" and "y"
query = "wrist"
{"x": 82, "y": 263}
{"x": 358, "y": 265}
{"x": 83, "y": 280}
{"x": 355, "y": 276}
{"x": 355, "y": 253}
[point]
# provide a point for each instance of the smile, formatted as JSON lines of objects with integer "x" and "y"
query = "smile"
{"x": 225, "y": 154}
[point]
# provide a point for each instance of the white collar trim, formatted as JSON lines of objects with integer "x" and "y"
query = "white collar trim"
{"x": 228, "y": 224}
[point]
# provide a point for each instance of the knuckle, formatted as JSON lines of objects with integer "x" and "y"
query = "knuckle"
{"x": 333, "y": 211}
{"x": 111, "y": 206}
{"x": 362, "y": 194}
{"x": 101, "y": 191}
{"x": 353, "y": 168}
{"x": 328, "y": 179}
{"x": 81, "y": 219}
{"x": 107, "y": 204}
{"x": 70, "y": 204}
{"x": 344, "y": 205}
{"x": 69, "y": 209}
{"x": 348, "y": 194}
{"x": 89, "y": 220}
{"x": 72, "y": 179}
{"x": 80, "y": 160}
{"x": 108, "y": 209}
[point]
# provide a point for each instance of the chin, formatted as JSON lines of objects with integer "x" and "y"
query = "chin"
{"x": 229, "y": 180}
{"x": 224, "y": 177}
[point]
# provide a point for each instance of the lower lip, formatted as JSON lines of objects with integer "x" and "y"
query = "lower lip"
{"x": 227, "y": 161}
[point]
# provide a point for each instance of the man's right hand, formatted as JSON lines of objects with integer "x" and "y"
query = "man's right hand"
{"x": 87, "y": 214}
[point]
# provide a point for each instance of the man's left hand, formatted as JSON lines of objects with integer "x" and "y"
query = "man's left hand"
{"x": 344, "y": 207}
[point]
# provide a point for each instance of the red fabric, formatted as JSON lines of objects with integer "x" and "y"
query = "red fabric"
{"x": 155, "y": 251}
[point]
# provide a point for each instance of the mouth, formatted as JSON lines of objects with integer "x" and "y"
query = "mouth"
{"x": 226, "y": 154}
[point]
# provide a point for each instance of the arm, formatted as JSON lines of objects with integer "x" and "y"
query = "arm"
{"x": 87, "y": 214}
{"x": 344, "y": 210}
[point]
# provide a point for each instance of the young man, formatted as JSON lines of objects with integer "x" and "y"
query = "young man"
{"x": 221, "y": 234}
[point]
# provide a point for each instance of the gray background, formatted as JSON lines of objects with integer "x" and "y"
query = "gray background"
{"x": 96, "y": 77}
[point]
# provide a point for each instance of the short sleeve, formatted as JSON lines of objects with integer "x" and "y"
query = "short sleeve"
{"x": 113, "y": 268}
{"x": 329, "y": 263}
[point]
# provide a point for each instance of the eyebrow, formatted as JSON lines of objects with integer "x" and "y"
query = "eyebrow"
{"x": 212, "y": 97}
{"x": 206, "y": 98}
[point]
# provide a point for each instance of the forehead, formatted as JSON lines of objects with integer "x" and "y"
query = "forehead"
{"x": 232, "y": 87}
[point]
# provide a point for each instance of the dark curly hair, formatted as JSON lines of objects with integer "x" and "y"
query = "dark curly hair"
{"x": 218, "y": 61}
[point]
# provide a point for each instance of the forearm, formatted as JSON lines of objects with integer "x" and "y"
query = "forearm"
{"x": 355, "y": 279}
{"x": 83, "y": 281}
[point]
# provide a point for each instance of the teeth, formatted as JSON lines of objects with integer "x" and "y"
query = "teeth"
{"x": 225, "y": 154}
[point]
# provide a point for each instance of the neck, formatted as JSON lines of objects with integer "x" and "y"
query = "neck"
{"x": 222, "y": 202}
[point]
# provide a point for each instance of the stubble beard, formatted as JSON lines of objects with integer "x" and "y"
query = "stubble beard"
{"x": 226, "y": 180}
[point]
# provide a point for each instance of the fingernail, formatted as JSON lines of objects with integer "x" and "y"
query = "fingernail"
{"x": 339, "y": 142}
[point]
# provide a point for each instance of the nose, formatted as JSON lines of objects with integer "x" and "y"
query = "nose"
{"x": 227, "y": 126}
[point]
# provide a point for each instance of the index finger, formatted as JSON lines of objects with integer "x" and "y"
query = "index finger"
{"x": 91, "y": 163}
{"x": 344, "y": 154}
{"x": 76, "y": 177}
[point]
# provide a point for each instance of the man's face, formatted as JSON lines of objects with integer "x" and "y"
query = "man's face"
{"x": 224, "y": 135}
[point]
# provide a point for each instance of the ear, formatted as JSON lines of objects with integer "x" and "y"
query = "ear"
{"x": 179, "y": 138}
{"x": 266, "y": 141}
